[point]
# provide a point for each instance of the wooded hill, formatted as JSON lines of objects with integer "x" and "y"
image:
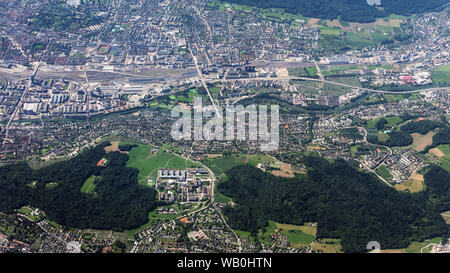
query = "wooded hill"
{"x": 118, "y": 201}
{"x": 347, "y": 204}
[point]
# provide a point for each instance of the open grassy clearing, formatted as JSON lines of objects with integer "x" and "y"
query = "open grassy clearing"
{"x": 89, "y": 185}
{"x": 330, "y": 31}
{"x": 443, "y": 153}
{"x": 392, "y": 121}
{"x": 446, "y": 216}
{"x": 415, "y": 247}
{"x": 298, "y": 236}
{"x": 442, "y": 75}
{"x": 327, "y": 245}
{"x": 148, "y": 159}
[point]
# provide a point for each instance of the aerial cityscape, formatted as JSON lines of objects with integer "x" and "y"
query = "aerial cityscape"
{"x": 358, "y": 98}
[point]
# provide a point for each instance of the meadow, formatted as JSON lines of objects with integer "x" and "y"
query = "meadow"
{"x": 148, "y": 162}
{"x": 442, "y": 75}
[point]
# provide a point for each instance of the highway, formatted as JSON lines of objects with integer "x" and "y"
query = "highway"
{"x": 289, "y": 78}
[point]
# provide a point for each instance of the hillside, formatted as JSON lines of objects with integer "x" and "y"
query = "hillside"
{"x": 115, "y": 202}
{"x": 346, "y": 203}
{"x": 348, "y": 10}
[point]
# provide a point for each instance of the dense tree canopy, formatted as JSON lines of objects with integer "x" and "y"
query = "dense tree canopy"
{"x": 118, "y": 202}
{"x": 126, "y": 147}
{"x": 421, "y": 127}
{"x": 346, "y": 203}
{"x": 396, "y": 139}
{"x": 442, "y": 137}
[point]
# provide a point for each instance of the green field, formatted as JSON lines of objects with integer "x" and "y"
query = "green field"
{"x": 244, "y": 235}
{"x": 330, "y": 31}
{"x": 415, "y": 247}
{"x": 445, "y": 160}
{"x": 220, "y": 165}
{"x": 442, "y": 75}
{"x": 393, "y": 98}
{"x": 383, "y": 137}
{"x": 297, "y": 238}
{"x": 354, "y": 150}
{"x": 148, "y": 163}
{"x": 89, "y": 185}
{"x": 392, "y": 121}
{"x": 255, "y": 159}
{"x": 384, "y": 172}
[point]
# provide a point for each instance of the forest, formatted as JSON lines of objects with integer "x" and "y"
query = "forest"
{"x": 396, "y": 139}
{"x": 118, "y": 202}
{"x": 348, "y": 10}
{"x": 421, "y": 127}
{"x": 126, "y": 147}
{"x": 441, "y": 137}
{"x": 345, "y": 202}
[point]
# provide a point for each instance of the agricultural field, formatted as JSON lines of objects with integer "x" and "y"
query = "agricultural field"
{"x": 414, "y": 184}
{"x": 445, "y": 159}
{"x": 330, "y": 31}
{"x": 422, "y": 141}
{"x": 327, "y": 245}
{"x": 298, "y": 236}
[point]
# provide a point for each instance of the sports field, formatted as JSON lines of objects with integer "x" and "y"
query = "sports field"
{"x": 384, "y": 172}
